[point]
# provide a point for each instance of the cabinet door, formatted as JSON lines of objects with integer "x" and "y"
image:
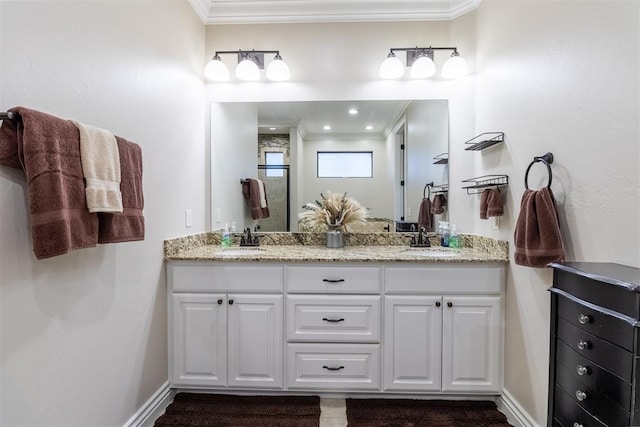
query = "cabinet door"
{"x": 472, "y": 355}
{"x": 199, "y": 351}
{"x": 413, "y": 343}
{"x": 255, "y": 339}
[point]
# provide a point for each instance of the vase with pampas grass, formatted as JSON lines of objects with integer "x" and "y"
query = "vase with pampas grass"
{"x": 336, "y": 211}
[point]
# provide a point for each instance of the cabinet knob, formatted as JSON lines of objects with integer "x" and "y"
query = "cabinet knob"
{"x": 582, "y": 370}
{"x": 449, "y": 304}
{"x": 576, "y": 424}
{"x": 581, "y": 395}
{"x": 438, "y": 304}
{"x": 583, "y": 319}
{"x": 220, "y": 301}
{"x": 584, "y": 345}
{"x": 230, "y": 302}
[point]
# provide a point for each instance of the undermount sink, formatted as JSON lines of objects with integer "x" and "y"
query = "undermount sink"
{"x": 433, "y": 252}
{"x": 249, "y": 250}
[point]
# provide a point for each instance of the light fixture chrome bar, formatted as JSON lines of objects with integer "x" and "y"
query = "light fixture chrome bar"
{"x": 256, "y": 56}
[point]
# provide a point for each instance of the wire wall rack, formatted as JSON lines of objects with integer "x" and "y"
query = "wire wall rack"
{"x": 478, "y": 184}
{"x": 484, "y": 140}
{"x": 441, "y": 159}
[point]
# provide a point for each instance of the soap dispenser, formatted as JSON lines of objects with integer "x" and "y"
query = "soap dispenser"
{"x": 226, "y": 237}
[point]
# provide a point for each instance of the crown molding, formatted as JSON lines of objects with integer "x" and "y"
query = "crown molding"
{"x": 306, "y": 11}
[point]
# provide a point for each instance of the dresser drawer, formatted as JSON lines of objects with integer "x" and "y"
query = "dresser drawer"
{"x": 605, "y": 354}
{"x": 333, "y": 366}
{"x": 568, "y": 413}
{"x": 334, "y": 318}
{"x": 207, "y": 277}
{"x": 593, "y": 376}
{"x": 591, "y": 398}
{"x": 333, "y": 280}
{"x": 599, "y": 324}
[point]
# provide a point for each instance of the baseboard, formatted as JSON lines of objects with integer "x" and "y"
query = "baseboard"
{"x": 514, "y": 411}
{"x": 153, "y": 408}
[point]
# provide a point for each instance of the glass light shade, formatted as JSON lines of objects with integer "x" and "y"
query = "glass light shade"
{"x": 247, "y": 70}
{"x": 455, "y": 67}
{"x": 423, "y": 67}
{"x": 278, "y": 70}
{"x": 391, "y": 68}
{"x": 216, "y": 70}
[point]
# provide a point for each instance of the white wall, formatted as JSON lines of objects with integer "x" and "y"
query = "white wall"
{"x": 234, "y": 148}
{"x": 373, "y": 193}
{"x": 83, "y": 335}
{"x": 561, "y": 77}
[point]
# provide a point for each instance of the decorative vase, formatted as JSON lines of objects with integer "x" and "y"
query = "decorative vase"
{"x": 335, "y": 237}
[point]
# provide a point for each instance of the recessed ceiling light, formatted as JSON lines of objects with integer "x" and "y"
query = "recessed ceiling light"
{"x": 326, "y": 127}
{"x": 353, "y": 111}
{"x": 369, "y": 127}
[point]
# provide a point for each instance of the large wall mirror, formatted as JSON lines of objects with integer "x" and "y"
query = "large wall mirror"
{"x": 382, "y": 153}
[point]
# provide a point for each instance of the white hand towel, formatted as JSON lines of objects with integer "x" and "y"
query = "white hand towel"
{"x": 263, "y": 194}
{"x": 101, "y": 168}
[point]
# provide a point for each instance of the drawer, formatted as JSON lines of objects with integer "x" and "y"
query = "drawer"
{"x": 458, "y": 279}
{"x": 599, "y": 324}
{"x": 567, "y": 413}
{"x": 207, "y": 277}
{"x": 333, "y": 366}
{"x": 593, "y": 376}
{"x": 334, "y": 318}
{"x": 333, "y": 280}
{"x": 603, "y": 353}
{"x": 591, "y": 398}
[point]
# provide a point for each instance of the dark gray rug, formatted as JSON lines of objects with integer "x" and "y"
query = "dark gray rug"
{"x": 423, "y": 413}
{"x": 219, "y": 410}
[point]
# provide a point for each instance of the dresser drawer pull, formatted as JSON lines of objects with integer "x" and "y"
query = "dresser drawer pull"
{"x": 581, "y": 395}
{"x": 333, "y": 320}
{"x": 583, "y": 370}
{"x": 584, "y": 319}
{"x": 576, "y": 424}
{"x": 333, "y": 280}
{"x": 332, "y": 368}
{"x": 584, "y": 345}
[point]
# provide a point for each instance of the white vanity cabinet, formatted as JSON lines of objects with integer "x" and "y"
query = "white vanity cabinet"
{"x": 226, "y": 325}
{"x": 443, "y": 328}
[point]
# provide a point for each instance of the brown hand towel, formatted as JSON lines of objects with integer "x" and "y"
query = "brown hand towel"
{"x": 251, "y": 193}
{"x": 495, "y": 206}
{"x": 484, "y": 203}
{"x": 425, "y": 219}
{"x": 537, "y": 235}
{"x": 127, "y": 226}
{"x": 48, "y": 150}
{"x": 439, "y": 202}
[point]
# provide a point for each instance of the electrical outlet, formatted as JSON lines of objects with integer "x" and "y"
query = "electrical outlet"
{"x": 409, "y": 212}
{"x": 218, "y": 215}
{"x": 187, "y": 218}
{"x": 496, "y": 222}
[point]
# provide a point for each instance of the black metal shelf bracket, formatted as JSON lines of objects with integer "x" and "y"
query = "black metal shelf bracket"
{"x": 484, "y": 140}
{"x": 478, "y": 184}
{"x": 441, "y": 159}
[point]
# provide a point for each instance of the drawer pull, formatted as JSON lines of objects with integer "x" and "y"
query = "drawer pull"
{"x": 582, "y": 370}
{"x": 576, "y": 424}
{"x": 583, "y": 319}
{"x": 333, "y": 280}
{"x": 581, "y": 395}
{"x": 333, "y": 369}
{"x": 333, "y": 320}
{"x": 584, "y": 345}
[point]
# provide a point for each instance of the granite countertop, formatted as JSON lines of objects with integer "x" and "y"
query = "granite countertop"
{"x": 307, "y": 247}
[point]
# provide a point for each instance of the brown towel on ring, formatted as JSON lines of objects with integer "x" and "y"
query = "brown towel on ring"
{"x": 47, "y": 148}
{"x": 537, "y": 235}
{"x": 251, "y": 193}
{"x": 128, "y": 225}
{"x": 425, "y": 219}
{"x": 439, "y": 202}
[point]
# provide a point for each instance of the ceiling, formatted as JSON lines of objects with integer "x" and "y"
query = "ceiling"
{"x": 282, "y": 11}
{"x": 311, "y": 116}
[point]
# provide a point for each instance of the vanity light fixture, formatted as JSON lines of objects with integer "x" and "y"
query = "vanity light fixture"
{"x": 249, "y": 65}
{"x": 420, "y": 59}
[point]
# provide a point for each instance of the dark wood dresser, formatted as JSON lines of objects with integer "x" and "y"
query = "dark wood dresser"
{"x": 595, "y": 349}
